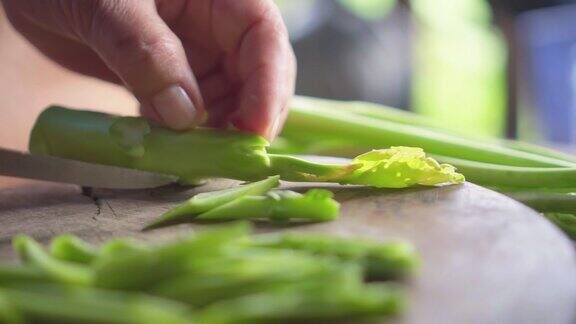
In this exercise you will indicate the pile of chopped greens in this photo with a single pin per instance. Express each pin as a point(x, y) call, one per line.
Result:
point(221, 275)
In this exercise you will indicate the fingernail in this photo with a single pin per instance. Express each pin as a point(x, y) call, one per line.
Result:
point(275, 129)
point(175, 107)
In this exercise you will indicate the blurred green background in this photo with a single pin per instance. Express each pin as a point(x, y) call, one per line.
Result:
point(476, 66)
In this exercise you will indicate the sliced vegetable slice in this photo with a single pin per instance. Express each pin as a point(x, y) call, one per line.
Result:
point(206, 201)
point(316, 205)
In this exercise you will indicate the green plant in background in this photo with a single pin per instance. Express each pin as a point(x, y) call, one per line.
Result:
point(460, 66)
point(459, 61)
point(222, 275)
point(369, 9)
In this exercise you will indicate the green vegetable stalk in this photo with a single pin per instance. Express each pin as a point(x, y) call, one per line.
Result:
point(205, 153)
point(566, 222)
point(549, 201)
point(72, 249)
point(311, 121)
point(385, 113)
point(132, 142)
point(539, 177)
point(502, 176)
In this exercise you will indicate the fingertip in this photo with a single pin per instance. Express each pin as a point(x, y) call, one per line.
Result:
point(243, 124)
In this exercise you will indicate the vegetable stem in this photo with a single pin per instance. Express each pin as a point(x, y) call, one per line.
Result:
point(376, 133)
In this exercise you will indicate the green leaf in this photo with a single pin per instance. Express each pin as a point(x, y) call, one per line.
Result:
point(399, 167)
point(396, 167)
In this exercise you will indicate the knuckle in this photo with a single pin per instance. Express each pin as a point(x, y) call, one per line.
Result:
point(133, 55)
point(149, 49)
point(78, 15)
point(104, 16)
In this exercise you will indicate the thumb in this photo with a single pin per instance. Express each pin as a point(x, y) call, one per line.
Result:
point(140, 48)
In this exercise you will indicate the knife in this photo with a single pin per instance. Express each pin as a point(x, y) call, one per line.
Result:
point(54, 169)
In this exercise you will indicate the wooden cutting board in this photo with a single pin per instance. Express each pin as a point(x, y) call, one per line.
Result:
point(486, 258)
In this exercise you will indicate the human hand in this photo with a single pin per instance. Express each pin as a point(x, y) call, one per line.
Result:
point(184, 60)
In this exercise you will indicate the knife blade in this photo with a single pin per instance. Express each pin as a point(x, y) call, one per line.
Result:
point(48, 168)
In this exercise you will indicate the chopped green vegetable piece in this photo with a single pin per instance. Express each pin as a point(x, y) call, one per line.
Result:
point(120, 246)
point(380, 260)
point(65, 304)
point(221, 275)
point(71, 248)
point(309, 302)
point(206, 201)
point(8, 312)
point(316, 205)
point(33, 253)
point(245, 273)
point(12, 273)
point(191, 155)
point(142, 268)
